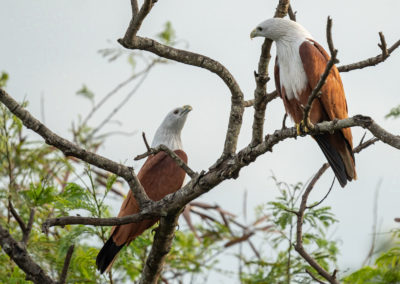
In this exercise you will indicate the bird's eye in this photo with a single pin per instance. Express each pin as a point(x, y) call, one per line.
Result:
point(259, 29)
point(176, 111)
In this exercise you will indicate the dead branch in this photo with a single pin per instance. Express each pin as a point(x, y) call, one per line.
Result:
point(370, 61)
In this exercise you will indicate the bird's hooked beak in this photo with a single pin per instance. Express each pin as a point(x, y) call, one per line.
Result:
point(186, 109)
point(253, 34)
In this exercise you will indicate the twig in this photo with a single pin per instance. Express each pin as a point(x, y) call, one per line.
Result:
point(316, 91)
point(383, 46)
point(137, 19)
point(27, 231)
point(67, 261)
point(374, 223)
point(329, 38)
point(365, 144)
point(145, 142)
point(169, 152)
point(121, 104)
point(116, 89)
point(284, 121)
point(292, 15)
point(313, 277)
point(299, 232)
point(18, 218)
point(370, 61)
point(135, 8)
point(326, 195)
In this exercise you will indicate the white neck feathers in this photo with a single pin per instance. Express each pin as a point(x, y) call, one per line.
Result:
point(168, 137)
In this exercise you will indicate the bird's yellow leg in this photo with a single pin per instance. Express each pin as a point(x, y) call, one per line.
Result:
point(302, 127)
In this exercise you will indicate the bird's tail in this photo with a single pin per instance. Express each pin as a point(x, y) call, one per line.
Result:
point(107, 255)
point(338, 155)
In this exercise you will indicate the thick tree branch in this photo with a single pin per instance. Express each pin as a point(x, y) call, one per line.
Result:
point(160, 248)
point(370, 61)
point(137, 18)
point(21, 257)
point(71, 149)
point(260, 103)
point(198, 60)
point(228, 169)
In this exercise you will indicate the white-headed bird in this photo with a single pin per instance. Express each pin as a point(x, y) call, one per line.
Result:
point(300, 62)
point(160, 175)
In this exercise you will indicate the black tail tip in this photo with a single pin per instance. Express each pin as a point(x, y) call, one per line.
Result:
point(107, 254)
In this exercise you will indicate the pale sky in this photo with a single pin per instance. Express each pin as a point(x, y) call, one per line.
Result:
point(50, 48)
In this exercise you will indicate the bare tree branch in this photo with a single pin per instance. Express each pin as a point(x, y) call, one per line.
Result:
point(67, 261)
point(70, 149)
point(21, 257)
point(137, 18)
point(370, 61)
point(299, 232)
point(27, 231)
point(329, 39)
point(229, 169)
point(18, 218)
point(190, 58)
point(292, 14)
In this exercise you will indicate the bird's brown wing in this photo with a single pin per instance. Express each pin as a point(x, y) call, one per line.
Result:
point(159, 176)
point(332, 100)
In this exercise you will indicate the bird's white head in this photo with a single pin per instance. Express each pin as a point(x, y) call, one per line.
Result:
point(278, 29)
point(169, 132)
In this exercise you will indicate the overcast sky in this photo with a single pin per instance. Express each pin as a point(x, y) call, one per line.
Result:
point(50, 48)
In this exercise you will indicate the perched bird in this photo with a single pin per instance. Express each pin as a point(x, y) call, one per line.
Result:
point(160, 175)
point(300, 62)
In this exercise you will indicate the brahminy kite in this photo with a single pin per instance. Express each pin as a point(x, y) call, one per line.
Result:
point(160, 175)
point(300, 62)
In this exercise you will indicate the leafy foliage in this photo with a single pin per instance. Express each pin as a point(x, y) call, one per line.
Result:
point(287, 266)
point(394, 112)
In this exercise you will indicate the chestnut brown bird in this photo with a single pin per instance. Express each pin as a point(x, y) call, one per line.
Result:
point(299, 64)
point(160, 175)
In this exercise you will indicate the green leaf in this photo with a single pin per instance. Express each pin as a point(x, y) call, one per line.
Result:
point(167, 36)
point(86, 93)
point(3, 79)
point(394, 112)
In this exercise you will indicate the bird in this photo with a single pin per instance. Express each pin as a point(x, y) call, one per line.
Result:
point(160, 175)
point(300, 62)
